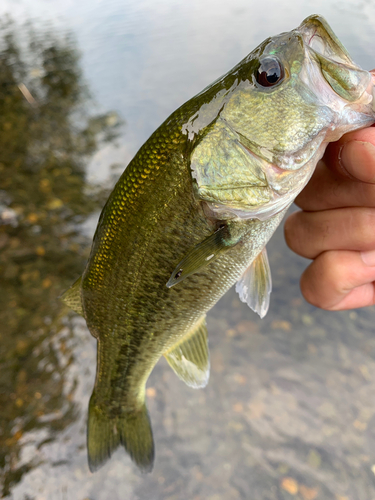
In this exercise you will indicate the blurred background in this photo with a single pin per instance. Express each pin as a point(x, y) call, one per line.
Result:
point(289, 412)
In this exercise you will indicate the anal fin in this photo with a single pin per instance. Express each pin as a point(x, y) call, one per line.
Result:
point(189, 358)
point(72, 297)
point(255, 285)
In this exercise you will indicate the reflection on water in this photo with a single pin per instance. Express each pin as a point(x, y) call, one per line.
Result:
point(46, 139)
point(289, 411)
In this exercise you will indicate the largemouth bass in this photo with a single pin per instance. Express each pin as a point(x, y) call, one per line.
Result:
point(192, 214)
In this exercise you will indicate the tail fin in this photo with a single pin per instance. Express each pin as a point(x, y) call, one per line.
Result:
point(105, 434)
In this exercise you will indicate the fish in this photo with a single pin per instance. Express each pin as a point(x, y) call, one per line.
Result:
point(191, 216)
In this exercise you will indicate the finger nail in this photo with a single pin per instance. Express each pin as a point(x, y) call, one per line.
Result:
point(357, 158)
point(368, 258)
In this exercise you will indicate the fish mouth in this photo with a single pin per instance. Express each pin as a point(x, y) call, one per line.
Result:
point(318, 36)
point(323, 47)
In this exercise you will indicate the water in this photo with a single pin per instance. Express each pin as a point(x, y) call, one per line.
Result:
point(289, 410)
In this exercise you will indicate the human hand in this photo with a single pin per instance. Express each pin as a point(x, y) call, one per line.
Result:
point(336, 227)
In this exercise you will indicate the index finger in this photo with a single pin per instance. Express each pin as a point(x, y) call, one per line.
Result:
point(346, 175)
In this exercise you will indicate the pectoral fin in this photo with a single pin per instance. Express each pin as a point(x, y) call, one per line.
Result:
point(207, 251)
point(201, 255)
point(72, 297)
point(255, 285)
point(189, 358)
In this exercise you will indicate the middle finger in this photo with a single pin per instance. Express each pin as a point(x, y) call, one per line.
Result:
point(310, 233)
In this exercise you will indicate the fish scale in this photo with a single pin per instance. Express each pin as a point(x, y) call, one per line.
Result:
point(192, 214)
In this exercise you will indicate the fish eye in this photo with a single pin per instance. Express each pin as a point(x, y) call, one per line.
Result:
point(270, 72)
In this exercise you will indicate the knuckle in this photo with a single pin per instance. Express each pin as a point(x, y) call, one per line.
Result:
point(322, 283)
point(301, 234)
point(291, 231)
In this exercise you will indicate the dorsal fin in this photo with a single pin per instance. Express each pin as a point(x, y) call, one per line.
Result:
point(189, 358)
point(72, 297)
point(255, 285)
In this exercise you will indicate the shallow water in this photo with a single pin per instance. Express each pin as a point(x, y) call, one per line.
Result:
point(289, 409)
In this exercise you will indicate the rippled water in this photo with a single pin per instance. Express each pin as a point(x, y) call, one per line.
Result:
point(289, 410)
